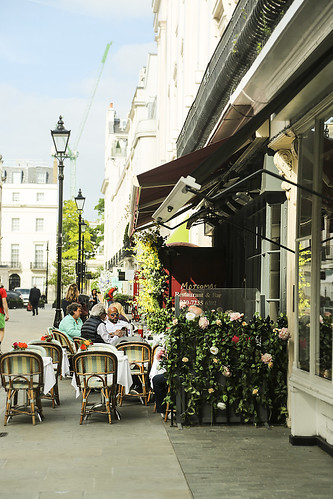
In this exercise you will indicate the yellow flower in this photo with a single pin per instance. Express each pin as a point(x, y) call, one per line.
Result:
point(244, 323)
point(210, 390)
point(270, 364)
point(215, 360)
point(185, 359)
point(255, 391)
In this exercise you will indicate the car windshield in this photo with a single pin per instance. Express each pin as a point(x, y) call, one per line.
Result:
point(22, 291)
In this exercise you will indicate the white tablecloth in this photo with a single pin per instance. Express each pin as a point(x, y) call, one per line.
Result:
point(49, 376)
point(124, 376)
point(65, 369)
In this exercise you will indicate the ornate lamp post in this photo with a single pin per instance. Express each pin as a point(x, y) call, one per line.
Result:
point(60, 137)
point(83, 264)
point(79, 200)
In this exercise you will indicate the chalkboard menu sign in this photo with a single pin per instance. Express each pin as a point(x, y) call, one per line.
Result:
point(241, 300)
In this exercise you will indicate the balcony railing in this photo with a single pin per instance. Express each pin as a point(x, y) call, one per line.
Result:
point(14, 265)
point(37, 266)
point(119, 257)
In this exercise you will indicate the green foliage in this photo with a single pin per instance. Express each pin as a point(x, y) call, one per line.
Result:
point(68, 275)
point(70, 230)
point(152, 277)
point(122, 298)
point(218, 358)
point(159, 321)
point(325, 343)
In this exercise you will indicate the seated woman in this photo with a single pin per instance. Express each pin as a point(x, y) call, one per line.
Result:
point(158, 381)
point(72, 323)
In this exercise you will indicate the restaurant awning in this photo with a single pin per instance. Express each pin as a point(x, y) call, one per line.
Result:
point(153, 186)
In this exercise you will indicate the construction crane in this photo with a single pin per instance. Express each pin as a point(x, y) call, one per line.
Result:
point(72, 152)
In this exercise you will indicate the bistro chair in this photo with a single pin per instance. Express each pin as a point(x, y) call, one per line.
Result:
point(54, 350)
point(65, 343)
point(22, 371)
point(96, 370)
point(139, 357)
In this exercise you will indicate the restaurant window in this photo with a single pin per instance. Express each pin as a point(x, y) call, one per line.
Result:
point(315, 248)
point(40, 196)
point(15, 196)
point(15, 224)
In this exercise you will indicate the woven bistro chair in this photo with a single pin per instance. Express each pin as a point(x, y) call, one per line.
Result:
point(97, 371)
point(54, 350)
point(65, 343)
point(22, 371)
point(139, 357)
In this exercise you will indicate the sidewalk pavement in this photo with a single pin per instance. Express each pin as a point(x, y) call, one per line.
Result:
point(141, 457)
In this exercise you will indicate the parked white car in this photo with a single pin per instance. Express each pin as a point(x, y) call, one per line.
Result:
point(24, 294)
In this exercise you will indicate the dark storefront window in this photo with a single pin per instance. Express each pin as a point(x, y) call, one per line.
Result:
point(315, 249)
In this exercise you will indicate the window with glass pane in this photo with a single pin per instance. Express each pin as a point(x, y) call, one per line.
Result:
point(40, 196)
point(15, 224)
point(304, 303)
point(326, 261)
point(15, 255)
point(17, 177)
point(41, 177)
point(15, 196)
point(39, 224)
point(39, 253)
point(39, 282)
point(306, 179)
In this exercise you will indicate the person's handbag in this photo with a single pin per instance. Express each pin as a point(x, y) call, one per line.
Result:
point(29, 307)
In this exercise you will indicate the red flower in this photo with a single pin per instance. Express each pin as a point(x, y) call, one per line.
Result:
point(235, 339)
point(43, 338)
point(83, 347)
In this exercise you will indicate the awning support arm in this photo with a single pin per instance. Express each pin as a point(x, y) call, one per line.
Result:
point(275, 175)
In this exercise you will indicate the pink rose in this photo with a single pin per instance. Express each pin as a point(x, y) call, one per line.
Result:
point(266, 358)
point(203, 322)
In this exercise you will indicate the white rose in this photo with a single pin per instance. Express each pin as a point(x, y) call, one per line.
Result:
point(190, 316)
point(222, 406)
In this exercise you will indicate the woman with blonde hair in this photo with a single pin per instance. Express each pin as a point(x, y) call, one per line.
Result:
point(72, 296)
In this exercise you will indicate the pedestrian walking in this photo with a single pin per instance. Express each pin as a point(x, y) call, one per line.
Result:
point(34, 297)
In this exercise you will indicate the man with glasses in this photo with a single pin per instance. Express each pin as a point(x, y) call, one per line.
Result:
point(94, 328)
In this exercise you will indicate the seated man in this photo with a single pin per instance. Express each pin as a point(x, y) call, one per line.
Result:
point(94, 328)
point(113, 327)
point(71, 324)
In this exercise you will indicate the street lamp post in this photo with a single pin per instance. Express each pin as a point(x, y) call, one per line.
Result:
point(83, 265)
point(47, 271)
point(60, 137)
point(79, 200)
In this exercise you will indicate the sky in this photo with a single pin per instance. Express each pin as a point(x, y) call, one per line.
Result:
point(50, 58)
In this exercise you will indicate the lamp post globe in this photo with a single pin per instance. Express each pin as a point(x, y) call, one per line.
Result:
point(60, 137)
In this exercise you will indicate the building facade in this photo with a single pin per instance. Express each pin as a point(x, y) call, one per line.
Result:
point(28, 221)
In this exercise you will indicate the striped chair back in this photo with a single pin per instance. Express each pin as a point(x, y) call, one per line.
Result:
point(53, 350)
point(38, 349)
point(21, 369)
point(95, 369)
point(137, 353)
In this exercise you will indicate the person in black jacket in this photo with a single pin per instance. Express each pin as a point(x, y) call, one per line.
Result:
point(34, 297)
point(89, 328)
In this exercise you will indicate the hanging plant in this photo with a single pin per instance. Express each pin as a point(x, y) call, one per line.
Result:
point(152, 276)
